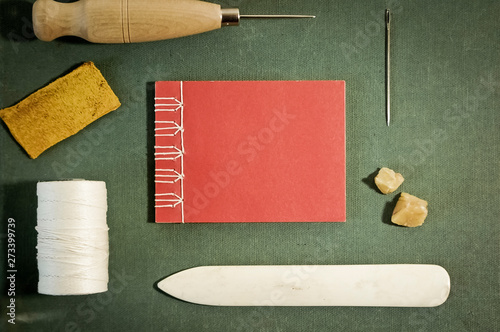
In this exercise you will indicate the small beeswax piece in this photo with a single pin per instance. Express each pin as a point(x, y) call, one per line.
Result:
point(387, 180)
point(61, 109)
point(410, 211)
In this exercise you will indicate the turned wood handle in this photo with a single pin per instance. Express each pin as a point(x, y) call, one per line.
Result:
point(124, 21)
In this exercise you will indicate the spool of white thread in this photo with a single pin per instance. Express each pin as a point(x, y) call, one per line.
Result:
point(73, 247)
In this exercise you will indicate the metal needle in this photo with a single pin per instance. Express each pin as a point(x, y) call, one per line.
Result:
point(388, 65)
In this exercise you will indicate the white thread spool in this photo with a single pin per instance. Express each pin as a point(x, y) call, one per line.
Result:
point(73, 246)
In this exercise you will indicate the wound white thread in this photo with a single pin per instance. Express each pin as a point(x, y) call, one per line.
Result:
point(164, 129)
point(72, 247)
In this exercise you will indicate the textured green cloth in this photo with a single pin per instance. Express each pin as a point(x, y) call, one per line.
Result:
point(444, 138)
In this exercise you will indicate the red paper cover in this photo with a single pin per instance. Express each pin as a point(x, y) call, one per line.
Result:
point(250, 151)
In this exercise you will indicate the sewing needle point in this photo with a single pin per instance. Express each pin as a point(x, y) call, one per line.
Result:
point(388, 66)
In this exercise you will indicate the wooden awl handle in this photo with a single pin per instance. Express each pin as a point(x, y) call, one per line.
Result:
point(126, 21)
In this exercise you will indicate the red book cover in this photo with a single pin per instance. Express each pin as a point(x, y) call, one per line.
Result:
point(250, 151)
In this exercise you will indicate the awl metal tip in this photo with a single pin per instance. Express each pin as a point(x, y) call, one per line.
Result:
point(278, 16)
point(232, 16)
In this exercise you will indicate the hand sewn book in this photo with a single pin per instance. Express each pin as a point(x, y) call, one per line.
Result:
point(249, 151)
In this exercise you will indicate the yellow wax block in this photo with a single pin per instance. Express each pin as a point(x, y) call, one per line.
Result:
point(61, 109)
point(388, 181)
point(410, 211)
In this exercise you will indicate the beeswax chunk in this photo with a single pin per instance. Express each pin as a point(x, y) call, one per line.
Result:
point(410, 211)
point(387, 180)
point(61, 109)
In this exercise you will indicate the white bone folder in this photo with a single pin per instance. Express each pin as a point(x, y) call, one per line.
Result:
point(389, 285)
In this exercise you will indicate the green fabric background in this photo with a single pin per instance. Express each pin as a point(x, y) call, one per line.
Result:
point(444, 138)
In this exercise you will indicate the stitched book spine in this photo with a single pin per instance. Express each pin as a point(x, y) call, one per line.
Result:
point(169, 155)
